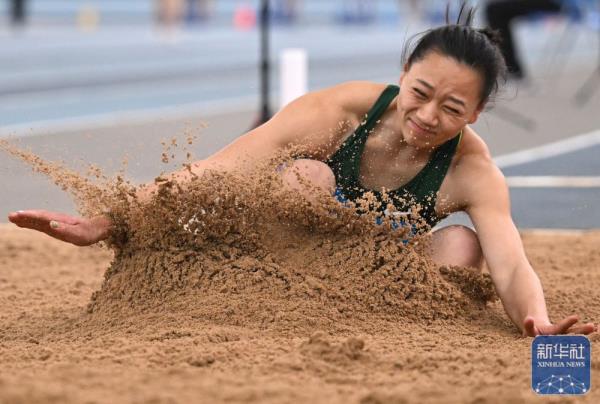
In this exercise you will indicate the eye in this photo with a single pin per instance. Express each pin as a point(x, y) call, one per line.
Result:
point(420, 94)
point(452, 110)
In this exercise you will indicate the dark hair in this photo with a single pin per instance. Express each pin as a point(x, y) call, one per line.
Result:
point(475, 47)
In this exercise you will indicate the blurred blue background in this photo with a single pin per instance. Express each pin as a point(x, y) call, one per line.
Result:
point(96, 80)
point(82, 58)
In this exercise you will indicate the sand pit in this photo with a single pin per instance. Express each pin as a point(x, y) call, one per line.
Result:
point(236, 290)
point(52, 351)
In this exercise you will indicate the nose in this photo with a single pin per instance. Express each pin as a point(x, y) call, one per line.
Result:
point(428, 114)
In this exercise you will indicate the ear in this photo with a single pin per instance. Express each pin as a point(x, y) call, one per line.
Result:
point(476, 113)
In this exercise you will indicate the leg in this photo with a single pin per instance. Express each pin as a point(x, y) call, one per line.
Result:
point(315, 174)
point(18, 12)
point(500, 15)
point(456, 245)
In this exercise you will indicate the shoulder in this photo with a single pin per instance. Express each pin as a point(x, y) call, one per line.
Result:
point(318, 121)
point(472, 154)
point(471, 146)
point(476, 178)
point(343, 105)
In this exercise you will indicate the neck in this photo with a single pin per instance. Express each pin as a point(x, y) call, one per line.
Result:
point(393, 142)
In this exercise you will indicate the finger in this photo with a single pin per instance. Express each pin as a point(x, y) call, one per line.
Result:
point(23, 217)
point(583, 329)
point(33, 213)
point(29, 221)
point(12, 216)
point(47, 215)
point(42, 221)
point(529, 327)
point(563, 326)
point(37, 219)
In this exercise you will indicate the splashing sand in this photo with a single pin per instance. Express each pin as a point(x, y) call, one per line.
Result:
point(233, 290)
point(241, 249)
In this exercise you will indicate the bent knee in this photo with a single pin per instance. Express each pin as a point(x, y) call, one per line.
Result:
point(465, 239)
point(457, 245)
point(310, 172)
point(464, 236)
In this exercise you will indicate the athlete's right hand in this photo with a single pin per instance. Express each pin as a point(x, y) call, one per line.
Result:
point(74, 230)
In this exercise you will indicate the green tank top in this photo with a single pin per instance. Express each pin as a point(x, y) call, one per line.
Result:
point(420, 191)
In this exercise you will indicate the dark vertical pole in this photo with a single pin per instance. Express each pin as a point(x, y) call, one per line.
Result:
point(18, 12)
point(591, 85)
point(265, 66)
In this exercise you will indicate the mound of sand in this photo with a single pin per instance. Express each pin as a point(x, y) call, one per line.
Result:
point(234, 290)
point(276, 258)
point(51, 350)
point(256, 255)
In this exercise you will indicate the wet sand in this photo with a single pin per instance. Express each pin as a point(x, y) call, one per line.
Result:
point(50, 351)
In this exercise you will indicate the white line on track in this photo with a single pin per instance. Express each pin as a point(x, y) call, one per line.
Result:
point(553, 182)
point(552, 232)
point(549, 150)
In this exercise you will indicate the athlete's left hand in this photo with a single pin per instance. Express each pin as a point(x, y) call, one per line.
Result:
point(533, 327)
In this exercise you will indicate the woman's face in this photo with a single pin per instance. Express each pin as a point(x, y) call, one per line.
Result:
point(438, 97)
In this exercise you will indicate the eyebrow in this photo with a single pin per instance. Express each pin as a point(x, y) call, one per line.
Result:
point(451, 98)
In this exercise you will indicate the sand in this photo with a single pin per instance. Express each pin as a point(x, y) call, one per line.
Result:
point(234, 289)
point(49, 353)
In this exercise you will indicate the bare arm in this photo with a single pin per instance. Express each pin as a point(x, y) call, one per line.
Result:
point(310, 122)
point(307, 123)
point(517, 284)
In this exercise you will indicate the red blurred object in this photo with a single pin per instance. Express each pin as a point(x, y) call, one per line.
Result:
point(244, 18)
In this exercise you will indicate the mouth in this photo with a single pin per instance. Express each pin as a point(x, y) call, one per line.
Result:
point(419, 129)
